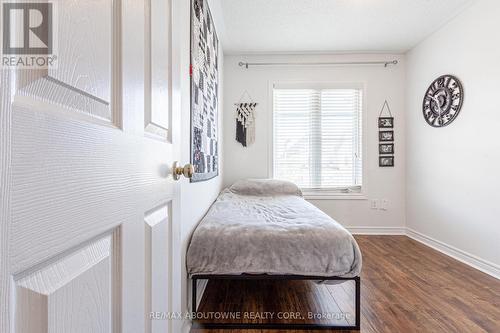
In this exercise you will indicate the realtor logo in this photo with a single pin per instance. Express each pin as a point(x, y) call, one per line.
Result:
point(27, 28)
point(28, 34)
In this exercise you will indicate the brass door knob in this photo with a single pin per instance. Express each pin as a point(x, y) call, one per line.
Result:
point(187, 171)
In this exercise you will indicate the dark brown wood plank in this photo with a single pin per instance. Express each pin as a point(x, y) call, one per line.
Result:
point(405, 287)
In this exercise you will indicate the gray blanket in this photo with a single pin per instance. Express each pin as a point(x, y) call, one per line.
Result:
point(273, 232)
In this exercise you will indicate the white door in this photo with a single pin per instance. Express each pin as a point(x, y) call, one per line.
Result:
point(89, 232)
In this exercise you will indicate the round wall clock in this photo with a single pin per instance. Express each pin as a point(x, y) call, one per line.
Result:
point(443, 101)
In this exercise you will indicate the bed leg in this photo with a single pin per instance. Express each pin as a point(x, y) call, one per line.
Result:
point(193, 296)
point(358, 303)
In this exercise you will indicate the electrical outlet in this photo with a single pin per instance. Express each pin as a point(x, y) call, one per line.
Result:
point(384, 204)
point(374, 203)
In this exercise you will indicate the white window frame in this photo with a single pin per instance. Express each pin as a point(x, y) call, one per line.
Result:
point(323, 194)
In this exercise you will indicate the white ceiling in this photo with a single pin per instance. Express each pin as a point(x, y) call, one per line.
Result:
point(268, 26)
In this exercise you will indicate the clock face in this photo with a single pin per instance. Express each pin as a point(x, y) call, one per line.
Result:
point(443, 101)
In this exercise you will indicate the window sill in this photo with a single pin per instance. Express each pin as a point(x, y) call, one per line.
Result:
point(334, 196)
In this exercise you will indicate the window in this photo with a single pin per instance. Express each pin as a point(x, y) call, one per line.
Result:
point(317, 136)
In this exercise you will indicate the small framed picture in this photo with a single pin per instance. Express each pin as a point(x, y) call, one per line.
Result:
point(386, 122)
point(386, 148)
point(386, 161)
point(386, 135)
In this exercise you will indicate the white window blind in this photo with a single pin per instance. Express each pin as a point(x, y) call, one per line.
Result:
point(317, 138)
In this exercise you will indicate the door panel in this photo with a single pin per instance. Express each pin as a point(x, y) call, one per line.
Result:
point(158, 73)
point(84, 46)
point(71, 293)
point(82, 81)
point(66, 97)
point(158, 265)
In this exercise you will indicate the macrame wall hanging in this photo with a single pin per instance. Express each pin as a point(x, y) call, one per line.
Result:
point(245, 120)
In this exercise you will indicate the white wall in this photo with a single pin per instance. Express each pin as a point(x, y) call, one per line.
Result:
point(196, 198)
point(381, 83)
point(452, 172)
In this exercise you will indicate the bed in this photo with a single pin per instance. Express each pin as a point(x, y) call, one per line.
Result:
point(264, 229)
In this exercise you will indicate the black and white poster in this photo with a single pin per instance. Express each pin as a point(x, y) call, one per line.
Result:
point(204, 93)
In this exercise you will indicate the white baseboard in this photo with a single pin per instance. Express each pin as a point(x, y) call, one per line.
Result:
point(462, 256)
point(377, 230)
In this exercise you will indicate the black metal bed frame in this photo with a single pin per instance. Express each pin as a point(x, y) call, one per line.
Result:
point(199, 325)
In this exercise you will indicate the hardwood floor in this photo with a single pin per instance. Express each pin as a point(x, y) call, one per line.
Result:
point(405, 287)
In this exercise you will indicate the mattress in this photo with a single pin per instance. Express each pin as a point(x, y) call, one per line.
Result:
point(266, 227)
